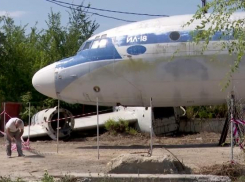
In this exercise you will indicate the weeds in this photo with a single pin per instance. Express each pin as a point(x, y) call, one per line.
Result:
point(121, 126)
point(8, 179)
point(47, 177)
point(241, 179)
point(68, 178)
point(233, 171)
point(132, 131)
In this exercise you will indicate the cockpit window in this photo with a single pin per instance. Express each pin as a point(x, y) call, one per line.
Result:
point(104, 36)
point(99, 44)
point(103, 43)
point(95, 44)
point(81, 47)
point(87, 45)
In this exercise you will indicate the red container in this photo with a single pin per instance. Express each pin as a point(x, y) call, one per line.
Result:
point(12, 109)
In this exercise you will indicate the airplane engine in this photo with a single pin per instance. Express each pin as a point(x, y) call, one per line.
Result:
point(164, 120)
point(45, 123)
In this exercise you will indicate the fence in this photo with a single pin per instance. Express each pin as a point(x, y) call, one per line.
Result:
point(27, 110)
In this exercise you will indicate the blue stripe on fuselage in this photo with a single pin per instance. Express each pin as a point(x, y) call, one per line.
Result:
point(152, 38)
point(110, 52)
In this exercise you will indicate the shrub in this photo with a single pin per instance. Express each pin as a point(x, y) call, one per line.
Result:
point(218, 111)
point(121, 126)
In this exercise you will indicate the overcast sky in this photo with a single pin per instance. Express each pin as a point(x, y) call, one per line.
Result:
point(31, 11)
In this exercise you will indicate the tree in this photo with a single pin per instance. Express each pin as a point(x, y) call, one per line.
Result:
point(14, 64)
point(22, 54)
point(81, 27)
point(219, 21)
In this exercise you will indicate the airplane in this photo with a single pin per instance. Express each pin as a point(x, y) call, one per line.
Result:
point(130, 64)
point(152, 59)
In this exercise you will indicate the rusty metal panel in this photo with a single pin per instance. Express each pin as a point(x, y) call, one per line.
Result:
point(12, 109)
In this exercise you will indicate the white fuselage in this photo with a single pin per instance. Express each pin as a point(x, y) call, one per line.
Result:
point(154, 59)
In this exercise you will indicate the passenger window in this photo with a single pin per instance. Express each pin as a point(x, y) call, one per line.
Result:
point(95, 44)
point(87, 45)
point(174, 36)
point(103, 43)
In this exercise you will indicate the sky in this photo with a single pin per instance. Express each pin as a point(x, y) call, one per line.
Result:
point(32, 11)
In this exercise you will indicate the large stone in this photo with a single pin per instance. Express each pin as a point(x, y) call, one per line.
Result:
point(146, 165)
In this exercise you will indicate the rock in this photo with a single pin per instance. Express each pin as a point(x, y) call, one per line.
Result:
point(146, 165)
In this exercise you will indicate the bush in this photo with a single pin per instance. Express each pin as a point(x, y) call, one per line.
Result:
point(218, 111)
point(121, 126)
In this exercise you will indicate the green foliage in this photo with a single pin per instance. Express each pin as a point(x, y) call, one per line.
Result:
point(121, 126)
point(68, 178)
point(241, 179)
point(110, 125)
point(132, 131)
point(34, 107)
point(116, 127)
point(219, 20)
point(218, 111)
point(47, 178)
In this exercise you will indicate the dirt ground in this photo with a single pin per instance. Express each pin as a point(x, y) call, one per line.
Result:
point(80, 155)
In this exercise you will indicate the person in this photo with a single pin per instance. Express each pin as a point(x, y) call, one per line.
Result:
point(14, 130)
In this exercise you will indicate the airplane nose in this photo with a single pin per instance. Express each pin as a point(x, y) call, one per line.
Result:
point(44, 81)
